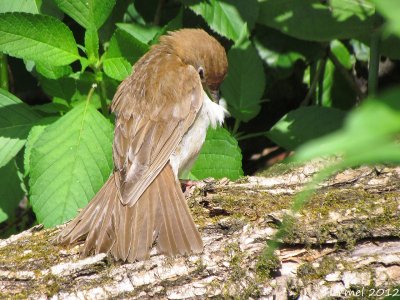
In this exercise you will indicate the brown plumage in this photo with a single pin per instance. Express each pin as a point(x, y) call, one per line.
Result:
point(160, 110)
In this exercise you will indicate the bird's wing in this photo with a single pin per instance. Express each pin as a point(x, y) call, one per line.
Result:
point(148, 131)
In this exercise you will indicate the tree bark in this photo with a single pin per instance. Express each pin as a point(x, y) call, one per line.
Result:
point(344, 242)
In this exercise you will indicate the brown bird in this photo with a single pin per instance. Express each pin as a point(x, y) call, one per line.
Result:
point(162, 112)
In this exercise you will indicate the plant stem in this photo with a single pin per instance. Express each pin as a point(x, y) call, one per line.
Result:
point(236, 126)
point(157, 15)
point(4, 72)
point(250, 136)
point(373, 71)
point(311, 91)
point(103, 98)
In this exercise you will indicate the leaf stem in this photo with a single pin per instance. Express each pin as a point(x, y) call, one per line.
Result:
point(91, 91)
point(4, 72)
point(346, 75)
point(373, 70)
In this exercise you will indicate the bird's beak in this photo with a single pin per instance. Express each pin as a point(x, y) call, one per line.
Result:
point(215, 96)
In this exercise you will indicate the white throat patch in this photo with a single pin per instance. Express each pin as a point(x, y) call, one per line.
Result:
point(210, 114)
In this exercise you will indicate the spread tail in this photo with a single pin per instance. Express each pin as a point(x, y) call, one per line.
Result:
point(128, 232)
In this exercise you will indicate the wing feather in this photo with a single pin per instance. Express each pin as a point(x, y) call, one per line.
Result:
point(149, 128)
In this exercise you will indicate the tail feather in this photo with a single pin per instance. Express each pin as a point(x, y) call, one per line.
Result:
point(128, 232)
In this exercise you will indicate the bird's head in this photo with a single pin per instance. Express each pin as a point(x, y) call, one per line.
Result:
point(197, 48)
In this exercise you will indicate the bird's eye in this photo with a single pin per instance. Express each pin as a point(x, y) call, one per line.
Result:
point(201, 72)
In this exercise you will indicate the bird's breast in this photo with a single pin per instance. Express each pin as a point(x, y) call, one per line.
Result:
point(210, 114)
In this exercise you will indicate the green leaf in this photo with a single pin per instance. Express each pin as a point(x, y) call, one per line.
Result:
point(226, 17)
point(342, 54)
point(69, 163)
point(11, 192)
point(304, 124)
point(37, 37)
point(335, 91)
point(220, 157)
point(143, 33)
point(16, 119)
point(3, 216)
point(28, 6)
point(87, 12)
point(362, 140)
point(117, 68)
point(316, 20)
point(245, 83)
point(33, 136)
point(52, 72)
point(361, 51)
point(92, 45)
point(63, 88)
point(280, 51)
point(123, 51)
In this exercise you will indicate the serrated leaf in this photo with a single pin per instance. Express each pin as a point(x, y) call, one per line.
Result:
point(37, 37)
point(33, 136)
point(219, 157)
point(123, 51)
point(52, 72)
point(315, 20)
point(16, 119)
point(117, 68)
point(245, 82)
point(69, 163)
point(28, 6)
point(87, 12)
point(92, 44)
point(10, 190)
point(227, 17)
point(304, 124)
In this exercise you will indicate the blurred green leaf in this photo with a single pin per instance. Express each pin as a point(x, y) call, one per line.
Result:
point(37, 37)
point(16, 119)
point(361, 50)
point(59, 187)
point(317, 20)
point(11, 192)
point(28, 6)
point(87, 13)
point(390, 10)
point(220, 157)
point(280, 51)
point(226, 17)
point(245, 82)
point(304, 124)
point(123, 51)
point(342, 54)
point(367, 137)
